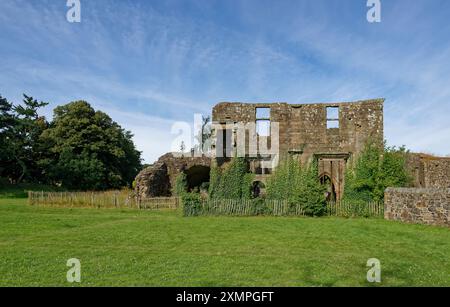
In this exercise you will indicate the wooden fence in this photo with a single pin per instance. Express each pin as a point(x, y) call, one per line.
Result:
point(282, 208)
point(235, 207)
point(107, 199)
point(247, 207)
point(355, 209)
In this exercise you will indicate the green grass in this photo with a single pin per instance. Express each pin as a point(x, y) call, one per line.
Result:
point(21, 190)
point(131, 248)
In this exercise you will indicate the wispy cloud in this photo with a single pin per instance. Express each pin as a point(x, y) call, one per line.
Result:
point(150, 64)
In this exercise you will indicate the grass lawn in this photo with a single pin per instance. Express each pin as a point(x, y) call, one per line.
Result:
point(131, 248)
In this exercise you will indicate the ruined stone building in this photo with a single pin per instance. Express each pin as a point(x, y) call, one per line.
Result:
point(332, 133)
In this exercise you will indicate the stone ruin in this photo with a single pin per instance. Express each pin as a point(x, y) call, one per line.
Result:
point(332, 133)
point(158, 179)
point(428, 201)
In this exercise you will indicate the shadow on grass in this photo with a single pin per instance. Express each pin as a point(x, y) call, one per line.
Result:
point(21, 190)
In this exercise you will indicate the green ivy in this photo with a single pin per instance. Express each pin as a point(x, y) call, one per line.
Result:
point(192, 204)
point(232, 182)
point(376, 169)
point(180, 184)
point(299, 185)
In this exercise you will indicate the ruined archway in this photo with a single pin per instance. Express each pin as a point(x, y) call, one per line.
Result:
point(258, 189)
point(330, 191)
point(197, 177)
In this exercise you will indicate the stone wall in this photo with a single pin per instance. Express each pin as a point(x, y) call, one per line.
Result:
point(437, 172)
point(418, 205)
point(159, 179)
point(303, 132)
point(303, 127)
point(429, 171)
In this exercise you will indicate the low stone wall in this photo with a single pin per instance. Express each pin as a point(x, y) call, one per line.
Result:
point(418, 205)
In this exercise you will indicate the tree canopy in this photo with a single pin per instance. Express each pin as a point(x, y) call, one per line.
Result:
point(81, 148)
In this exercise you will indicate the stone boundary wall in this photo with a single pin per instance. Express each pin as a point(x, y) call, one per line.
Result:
point(418, 205)
point(437, 173)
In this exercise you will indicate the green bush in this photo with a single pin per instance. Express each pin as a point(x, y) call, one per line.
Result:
point(192, 204)
point(232, 182)
point(259, 207)
point(376, 169)
point(299, 185)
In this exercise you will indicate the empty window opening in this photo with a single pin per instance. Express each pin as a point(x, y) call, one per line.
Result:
point(263, 127)
point(332, 117)
point(263, 121)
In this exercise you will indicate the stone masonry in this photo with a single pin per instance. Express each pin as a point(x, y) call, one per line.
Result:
point(418, 205)
point(304, 133)
point(159, 178)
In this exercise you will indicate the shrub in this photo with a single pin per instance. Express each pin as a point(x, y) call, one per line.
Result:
point(259, 207)
point(376, 169)
point(299, 185)
point(192, 204)
point(232, 182)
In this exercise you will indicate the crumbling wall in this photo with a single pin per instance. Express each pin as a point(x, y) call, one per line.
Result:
point(159, 178)
point(153, 181)
point(303, 127)
point(303, 131)
point(429, 171)
point(418, 205)
point(437, 173)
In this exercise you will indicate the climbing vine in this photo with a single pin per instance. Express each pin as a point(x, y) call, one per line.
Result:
point(299, 185)
point(232, 182)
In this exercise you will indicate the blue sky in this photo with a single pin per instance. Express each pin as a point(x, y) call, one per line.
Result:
point(150, 63)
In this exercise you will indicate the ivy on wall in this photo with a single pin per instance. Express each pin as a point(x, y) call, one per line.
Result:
point(376, 169)
point(232, 182)
point(299, 185)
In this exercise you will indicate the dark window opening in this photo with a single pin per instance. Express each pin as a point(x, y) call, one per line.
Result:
point(224, 144)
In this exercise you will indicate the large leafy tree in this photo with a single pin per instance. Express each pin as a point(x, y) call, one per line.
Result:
point(7, 121)
point(86, 149)
point(20, 129)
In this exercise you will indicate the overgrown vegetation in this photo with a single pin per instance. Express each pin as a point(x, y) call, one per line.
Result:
point(181, 185)
point(299, 185)
point(192, 204)
point(232, 182)
point(195, 206)
point(376, 169)
point(80, 149)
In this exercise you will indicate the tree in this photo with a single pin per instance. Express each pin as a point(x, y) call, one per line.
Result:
point(182, 147)
point(20, 130)
point(376, 169)
point(7, 121)
point(88, 150)
point(204, 136)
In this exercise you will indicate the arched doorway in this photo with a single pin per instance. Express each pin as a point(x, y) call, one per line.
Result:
point(197, 178)
point(330, 191)
point(258, 189)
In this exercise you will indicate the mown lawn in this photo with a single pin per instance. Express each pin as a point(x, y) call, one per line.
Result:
point(143, 248)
